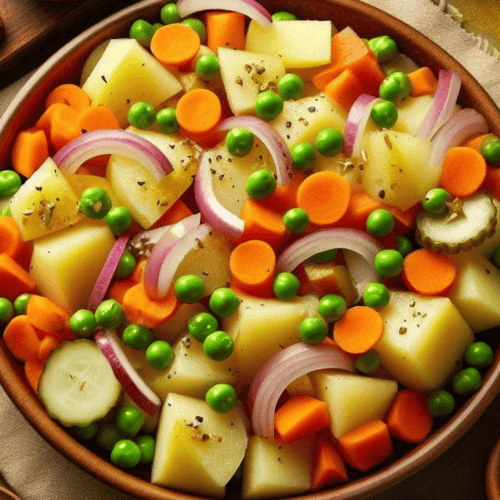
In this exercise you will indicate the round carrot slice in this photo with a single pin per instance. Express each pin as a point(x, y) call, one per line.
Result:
point(175, 45)
point(198, 111)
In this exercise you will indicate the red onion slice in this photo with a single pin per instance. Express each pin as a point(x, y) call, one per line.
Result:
point(149, 237)
point(361, 269)
point(214, 212)
point(282, 369)
point(272, 141)
point(125, 373)
point(162, 249)
point(443, 102)
point(108, 270)
point(358, 117)
point(454, 132)
point(112, 141)
point(249, 8)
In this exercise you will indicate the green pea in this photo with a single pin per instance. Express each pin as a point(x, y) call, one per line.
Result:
point(332, 307)
point(110, 314)
point(380, 222)
point(404, 245)
point(260, 184)
point(83, 323)
point(147, 446)
point(268, 105)
point(490, 149)
point(157, 26)
point(283, 16)
point(85, 431)
point(141, 115)
point(137, 336)
point(10, 182)
point(324, 257)
point(376, 295)
point(21, 303)
point(368, 362)
point(7, 310)
point(441, 403)
point(479, 354)
point(396, 85)
point(290, 86)
point(383, 47)
point(129, 420)
point(218, 346)
point(95, 203)
point(189, 288)
point(223, 302)
point(201, 325)
point(466, 380)
point(108, 435)
point(119, 220)
point(160, 354)
point(7, 212)
point(197, 26)
point(239, 141)
point(286, 286)
point(142, 31)
point(296, 219)
point(126, 454)
point(313, 330)
point(329, 141)
point(167, 121)
point(303, 155)
point(435, 200)
point(207, 67)
point(384, 114)
point(221, 398)
point(169, 14)
point(388, 263)
point(126, 266)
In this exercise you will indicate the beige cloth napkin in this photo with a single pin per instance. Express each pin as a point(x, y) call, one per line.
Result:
point(36, 471)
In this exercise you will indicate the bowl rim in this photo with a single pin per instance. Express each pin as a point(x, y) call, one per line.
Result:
point(26, 401)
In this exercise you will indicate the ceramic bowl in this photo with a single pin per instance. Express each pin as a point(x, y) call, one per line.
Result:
point(65, 67)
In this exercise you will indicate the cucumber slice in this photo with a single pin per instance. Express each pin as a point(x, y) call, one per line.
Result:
point(77, 385)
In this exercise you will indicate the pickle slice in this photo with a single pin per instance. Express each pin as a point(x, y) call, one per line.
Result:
point(466, 225)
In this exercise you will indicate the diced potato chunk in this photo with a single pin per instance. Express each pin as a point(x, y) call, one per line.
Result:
point(411, 113)
point(80, 182)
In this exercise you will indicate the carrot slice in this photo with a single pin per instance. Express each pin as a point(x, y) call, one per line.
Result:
point(253, 265)
point(408, 417)
point(285, 197)
point(48, 317)
point(59, 122)
point(198, 111)
point(225, 29)
point(423, 82)
point(324, 196)
point(175, 45)
point(345, 89)
point(21, 338)
point(464, 170)
point(33, 370)
point(328, 466)
point(97, 118)
point(301, 416)
point(138, 274)
point(11, 239)
point(30, 150)
point(140, 309)
point(178, 211)
point(367, 445)
point(361, 205)
point(428, 273)
point(47, 345)
point(14, 279)
point(70, 94)
point(358, 330)
point(119, 289)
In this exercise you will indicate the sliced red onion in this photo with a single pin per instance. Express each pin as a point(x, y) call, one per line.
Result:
point(361, 269)
point(125, 373)
point(112, 141)
point(249, 8)
point(272, 141)
point(149, 237)
point(454, 132)
point(162, 248)
point(281, 370)
point(108, 270)
point(443, 102)
point(358, 117)
point(212, 209)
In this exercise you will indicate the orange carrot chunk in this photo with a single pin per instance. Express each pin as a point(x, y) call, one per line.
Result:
point(408, 417)
point(14, 279)
point(198, 111)
point(301, 416)
point(423, 82)
point(428, 273)
point(48, 317)
point(138, 274)
point(21, 339)
point(361, 205)
point(47, 345)
point(284, 197)
point(119, 289)
point(33, 370)
point(30, 150)
point(178, 211)
point(328, 466)
point(70, 94)
point(464, 170)
point(367, 445)
point(324, 196)
point(11, 239)
point(97, 118)
point(59, 122)
point(345, 89)
point(225, 29)
point(358, 330)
